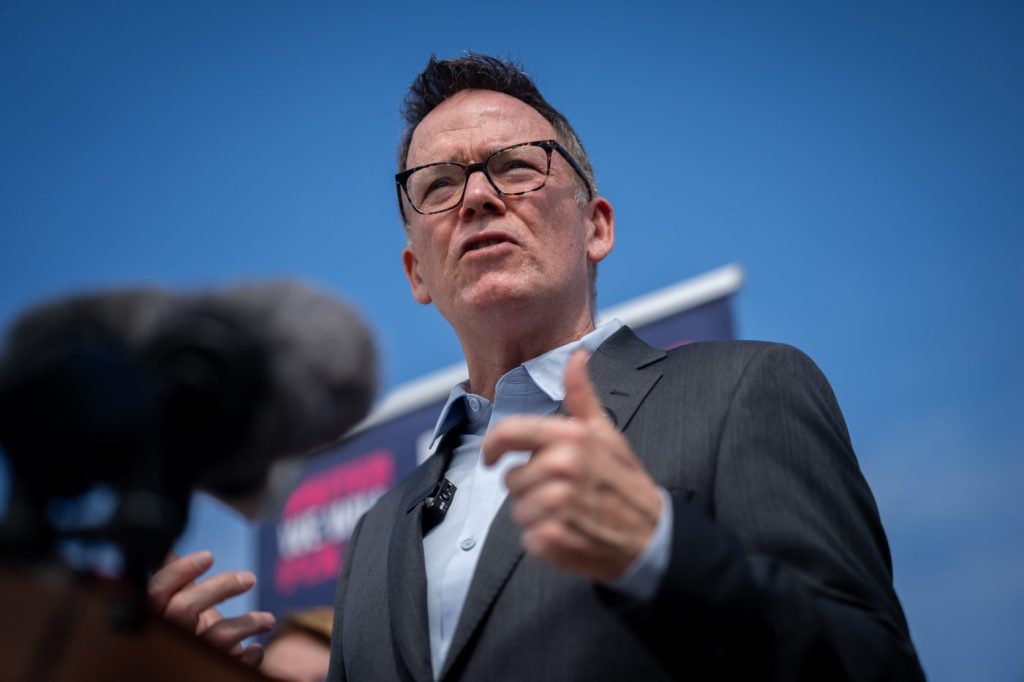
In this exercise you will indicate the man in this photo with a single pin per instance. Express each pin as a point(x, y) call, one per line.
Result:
point(653, 515)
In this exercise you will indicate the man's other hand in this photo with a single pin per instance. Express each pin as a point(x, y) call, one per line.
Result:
point(584, 501)
point(176, 595)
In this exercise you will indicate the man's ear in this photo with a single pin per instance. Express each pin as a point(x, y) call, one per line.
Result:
point(601, 222)
point(412, 273)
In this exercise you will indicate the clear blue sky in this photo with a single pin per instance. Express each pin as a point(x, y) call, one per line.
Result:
point(864, 162)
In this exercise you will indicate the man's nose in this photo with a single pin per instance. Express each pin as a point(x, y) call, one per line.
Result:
point(481, 198)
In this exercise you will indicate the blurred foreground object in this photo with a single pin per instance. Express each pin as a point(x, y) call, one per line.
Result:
point(54, 630)
point(148, 395)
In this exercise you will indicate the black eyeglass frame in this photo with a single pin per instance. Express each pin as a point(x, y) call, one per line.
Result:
point(547, 145)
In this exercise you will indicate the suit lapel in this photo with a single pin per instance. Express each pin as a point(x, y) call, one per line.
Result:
point(407, 581)
point(622, 376)
point(623, 372)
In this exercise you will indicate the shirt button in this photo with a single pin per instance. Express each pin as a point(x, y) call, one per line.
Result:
point(474, 404)
point(467, 544)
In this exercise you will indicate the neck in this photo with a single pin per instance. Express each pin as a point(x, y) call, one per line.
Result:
point(494, 349)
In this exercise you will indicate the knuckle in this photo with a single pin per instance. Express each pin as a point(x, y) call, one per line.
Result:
point(577, 432)
point(158, 597)
point(206, 620)
point(514, 479)
point(559, 497)
point(549, 536)
point(565, 463)
point(177, 609)
point(186, 618)
point(222, 635)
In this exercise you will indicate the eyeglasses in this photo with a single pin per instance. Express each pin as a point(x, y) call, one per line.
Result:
point(515, 170)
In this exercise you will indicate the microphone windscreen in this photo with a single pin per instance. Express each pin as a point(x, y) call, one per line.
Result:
point(234, 385)
point(128, 315)
point(75, 398)
point(320, 373)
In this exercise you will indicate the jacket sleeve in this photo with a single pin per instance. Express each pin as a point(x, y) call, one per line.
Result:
point(786, 573)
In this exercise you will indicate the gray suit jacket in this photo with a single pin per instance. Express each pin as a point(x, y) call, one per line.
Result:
point(779, 566)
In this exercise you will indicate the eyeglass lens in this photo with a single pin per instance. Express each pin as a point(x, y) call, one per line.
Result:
point(515, 170)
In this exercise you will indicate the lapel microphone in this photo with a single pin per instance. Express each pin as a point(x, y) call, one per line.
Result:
point(436, 504)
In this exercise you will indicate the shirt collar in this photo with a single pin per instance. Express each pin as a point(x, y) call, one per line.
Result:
point(546, 371)
point(453, 413)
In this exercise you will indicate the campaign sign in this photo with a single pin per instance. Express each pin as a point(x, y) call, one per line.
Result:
point(301, 549)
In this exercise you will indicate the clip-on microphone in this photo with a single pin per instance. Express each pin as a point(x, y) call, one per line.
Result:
point(436, 504)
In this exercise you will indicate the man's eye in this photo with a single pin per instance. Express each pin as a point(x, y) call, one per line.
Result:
point(438, 184)
point(514, 164)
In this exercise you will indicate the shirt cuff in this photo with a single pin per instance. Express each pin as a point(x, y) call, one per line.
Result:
point(641, 579)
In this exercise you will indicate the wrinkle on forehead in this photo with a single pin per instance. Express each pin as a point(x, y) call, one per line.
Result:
point(473, 123)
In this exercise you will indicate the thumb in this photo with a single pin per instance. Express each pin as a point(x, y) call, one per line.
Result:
point(581, 399)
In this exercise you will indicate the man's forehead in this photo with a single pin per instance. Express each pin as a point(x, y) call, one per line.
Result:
point(472, 122)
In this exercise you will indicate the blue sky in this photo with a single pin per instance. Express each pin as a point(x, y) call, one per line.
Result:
point(862, 161)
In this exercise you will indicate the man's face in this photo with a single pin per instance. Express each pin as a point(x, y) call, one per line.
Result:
point(495, 250)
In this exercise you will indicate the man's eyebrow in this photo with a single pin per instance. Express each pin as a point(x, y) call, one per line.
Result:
point(453, 155)
point(447, 153)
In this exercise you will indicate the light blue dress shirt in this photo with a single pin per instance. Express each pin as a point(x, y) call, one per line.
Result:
point(452, 549)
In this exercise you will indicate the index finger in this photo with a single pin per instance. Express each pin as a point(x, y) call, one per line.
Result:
point(175, 575)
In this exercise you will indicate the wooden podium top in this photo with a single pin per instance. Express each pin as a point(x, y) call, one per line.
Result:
point(53, 629)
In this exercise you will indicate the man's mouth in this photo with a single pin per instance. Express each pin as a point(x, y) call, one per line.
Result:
point(484, 244)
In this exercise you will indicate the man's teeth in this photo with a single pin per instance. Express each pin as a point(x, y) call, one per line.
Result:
point(484, 243)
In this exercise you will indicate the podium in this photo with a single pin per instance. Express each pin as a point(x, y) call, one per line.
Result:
point(54, 628)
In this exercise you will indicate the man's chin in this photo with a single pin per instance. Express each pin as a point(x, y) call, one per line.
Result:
point(489, 297)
